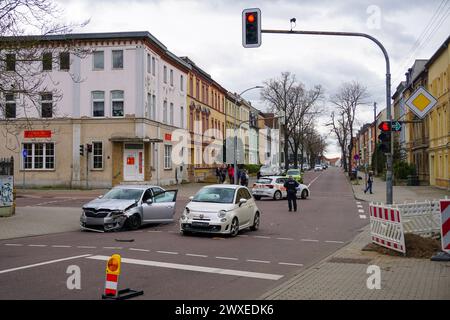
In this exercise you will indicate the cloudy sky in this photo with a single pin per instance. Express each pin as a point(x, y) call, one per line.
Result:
point(210, 33)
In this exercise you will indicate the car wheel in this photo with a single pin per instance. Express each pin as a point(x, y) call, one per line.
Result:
point(134, 222)
point(257, 197)
point(304, 194)
point(277, 195)
point(234, 229)
point(256, 221)
point(185, 233)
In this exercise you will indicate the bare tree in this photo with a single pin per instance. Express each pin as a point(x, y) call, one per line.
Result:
point(288, 97)
point(26, 56)
point(340, 129)
point(349, 96)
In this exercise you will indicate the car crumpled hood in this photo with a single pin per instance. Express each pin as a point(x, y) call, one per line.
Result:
point(208, 207)
point(109, 204)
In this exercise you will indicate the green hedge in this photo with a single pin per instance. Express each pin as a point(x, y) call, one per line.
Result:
point(403, 169)
point(252, 168)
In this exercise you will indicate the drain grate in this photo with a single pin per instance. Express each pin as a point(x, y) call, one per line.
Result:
point(350, 260)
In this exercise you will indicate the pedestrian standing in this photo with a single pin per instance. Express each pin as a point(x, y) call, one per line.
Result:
point(231, 174)
point(291, 187)
point(244, 178)
point(218, 175)
point(369, 183)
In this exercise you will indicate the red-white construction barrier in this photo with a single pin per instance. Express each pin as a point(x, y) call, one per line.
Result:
point(386, 227)
point(445, 225)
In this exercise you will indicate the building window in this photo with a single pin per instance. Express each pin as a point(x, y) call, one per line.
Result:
point(39, 156)
point(197, 90)
point(181, 83)
point(98, 103)
point(47, 61)
point(99, 60)
point(149, 64)
point(117, 103)
point(97, 155)
point(191, 86)
point(117, 59)
point(167, 157)
point(64, 61)
point(171, 114)
point(153, 66)
point(165, 112)
point(171, 77)
point(182, 117)
point(154, 107)
point(46, 105)
point(165, 74)
point(10, 105)
point(10, 62)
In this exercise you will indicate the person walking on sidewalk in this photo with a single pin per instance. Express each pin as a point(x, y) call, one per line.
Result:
point(231, 174)
point(291, 187)
point(369, 183)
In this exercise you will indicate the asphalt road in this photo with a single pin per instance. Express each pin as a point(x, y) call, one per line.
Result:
point(167, 265)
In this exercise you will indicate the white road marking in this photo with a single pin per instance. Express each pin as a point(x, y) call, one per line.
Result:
point(314, 180)
point(114, 248)
point(60, 246)
point(196, 255)
point(143, 250)
point(167, 252)
point(359, 206)
point(227, 258)
point(258, 261)
point(187, 267)
point(37, 245)
point(362, 216)
point(44, 263)
point(333, 241)
point(284, 239)
point(310, 240)
point(13, 244)
point(86, 247)
point(290, 264)
point(357, 202)
point(261, 237)
point(360, 211)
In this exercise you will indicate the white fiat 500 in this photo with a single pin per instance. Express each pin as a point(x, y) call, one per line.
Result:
point(223, 209)
point(273, 187)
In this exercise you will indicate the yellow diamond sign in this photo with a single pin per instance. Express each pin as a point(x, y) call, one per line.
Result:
point(421, 102)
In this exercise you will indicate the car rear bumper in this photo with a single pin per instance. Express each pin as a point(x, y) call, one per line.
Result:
point(205, 227)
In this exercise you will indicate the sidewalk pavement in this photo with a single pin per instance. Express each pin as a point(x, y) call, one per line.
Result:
point(343, 275)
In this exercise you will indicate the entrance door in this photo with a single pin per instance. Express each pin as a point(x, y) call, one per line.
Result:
point(133, 162)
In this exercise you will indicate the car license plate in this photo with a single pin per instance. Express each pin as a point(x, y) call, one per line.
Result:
point(200, 224)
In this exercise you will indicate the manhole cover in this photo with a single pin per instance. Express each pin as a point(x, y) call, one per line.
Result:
point(350, 260)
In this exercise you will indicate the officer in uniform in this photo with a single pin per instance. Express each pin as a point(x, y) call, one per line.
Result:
point(291, 187)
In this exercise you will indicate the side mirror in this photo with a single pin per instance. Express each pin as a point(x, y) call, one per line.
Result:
point(149, 201)
point(99, 197)
point(242, 201)
point(191, 198)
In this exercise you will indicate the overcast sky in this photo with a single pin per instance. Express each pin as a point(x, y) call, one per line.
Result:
point(210, 33)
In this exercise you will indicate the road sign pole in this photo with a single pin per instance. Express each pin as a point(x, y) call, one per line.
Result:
point(389, 194)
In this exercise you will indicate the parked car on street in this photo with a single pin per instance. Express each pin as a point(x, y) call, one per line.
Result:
point(223, 209)
point(269, 170)
point(296, 175)
point(318, 167)
point(273, 187)
point(129, 206)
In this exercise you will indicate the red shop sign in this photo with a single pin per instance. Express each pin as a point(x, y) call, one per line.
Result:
point(37, 134)
point(168, 137)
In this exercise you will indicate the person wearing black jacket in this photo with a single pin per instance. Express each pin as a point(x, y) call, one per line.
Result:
point(291, 187)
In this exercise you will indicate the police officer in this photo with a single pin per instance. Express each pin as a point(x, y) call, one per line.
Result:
point(291, 187)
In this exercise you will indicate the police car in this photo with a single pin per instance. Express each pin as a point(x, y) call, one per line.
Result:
point(273, 187)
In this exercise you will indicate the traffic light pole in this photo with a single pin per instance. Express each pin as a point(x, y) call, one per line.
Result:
point(389, 193)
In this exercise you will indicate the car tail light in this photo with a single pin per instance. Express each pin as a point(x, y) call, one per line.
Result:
point(269, 186)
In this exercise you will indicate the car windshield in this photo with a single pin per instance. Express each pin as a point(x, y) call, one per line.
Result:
point(215, 195)
point(293, 172)
point(265, 168)
point(124, 194)
point(264, 181)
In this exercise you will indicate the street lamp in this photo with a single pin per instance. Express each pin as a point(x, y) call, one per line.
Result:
point(235, 129)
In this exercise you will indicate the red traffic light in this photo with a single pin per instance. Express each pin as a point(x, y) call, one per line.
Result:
point(385, 126)
point(250, 17)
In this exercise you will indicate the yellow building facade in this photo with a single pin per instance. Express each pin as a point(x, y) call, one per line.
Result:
point(439, 117)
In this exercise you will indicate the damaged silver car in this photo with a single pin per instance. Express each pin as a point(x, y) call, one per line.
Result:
point(129, 206)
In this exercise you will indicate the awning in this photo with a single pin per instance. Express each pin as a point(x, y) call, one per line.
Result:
point(135, 139)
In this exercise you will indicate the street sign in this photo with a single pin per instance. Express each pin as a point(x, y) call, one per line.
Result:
point(356, 157)
point(421, 102)
point(396, 126)
point(24, 153)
